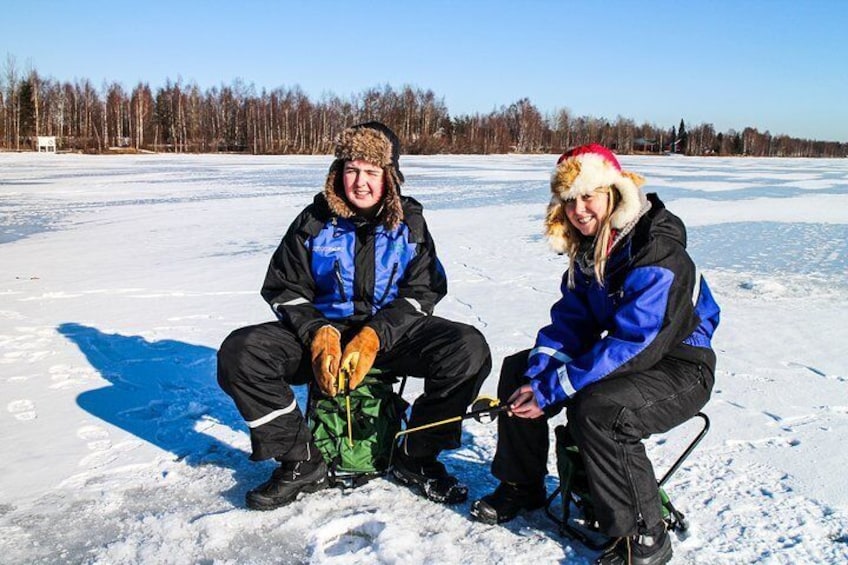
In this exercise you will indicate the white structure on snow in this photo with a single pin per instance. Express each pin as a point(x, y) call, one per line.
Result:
point(46, 143)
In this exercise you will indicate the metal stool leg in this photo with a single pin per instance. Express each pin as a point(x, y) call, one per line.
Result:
point(689, 450)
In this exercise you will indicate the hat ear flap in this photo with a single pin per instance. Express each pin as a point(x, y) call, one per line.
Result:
point(631, 202)
point(393, 214)
point(638, 180)
point(555, 226)
point(334, 188)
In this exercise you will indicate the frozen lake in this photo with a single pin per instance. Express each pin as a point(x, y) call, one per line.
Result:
point(121, 275)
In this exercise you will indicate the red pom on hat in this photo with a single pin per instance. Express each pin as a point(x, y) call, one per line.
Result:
point(595, 148)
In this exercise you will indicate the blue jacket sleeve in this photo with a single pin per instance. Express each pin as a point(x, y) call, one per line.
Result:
point(572, 353)
point(570, 333)
point(289, 287)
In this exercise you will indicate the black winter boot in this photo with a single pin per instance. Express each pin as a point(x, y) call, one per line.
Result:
point(507, 501)
point(642, 549)
point(286, 482)
point(428, 476)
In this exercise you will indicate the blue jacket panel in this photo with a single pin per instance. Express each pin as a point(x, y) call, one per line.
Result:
point(709, 315)
point(333, 251)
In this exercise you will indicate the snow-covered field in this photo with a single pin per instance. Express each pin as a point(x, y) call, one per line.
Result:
point(120, 276)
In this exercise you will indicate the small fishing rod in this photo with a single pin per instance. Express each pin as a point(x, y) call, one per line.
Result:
point(485, 410)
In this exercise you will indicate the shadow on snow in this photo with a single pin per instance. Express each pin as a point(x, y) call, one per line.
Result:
point(164, 392)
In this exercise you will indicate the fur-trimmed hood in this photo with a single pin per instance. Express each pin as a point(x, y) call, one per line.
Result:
point(375, 143)
point(580, 171)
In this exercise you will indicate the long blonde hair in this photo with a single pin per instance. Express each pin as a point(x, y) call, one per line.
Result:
point(602, 240)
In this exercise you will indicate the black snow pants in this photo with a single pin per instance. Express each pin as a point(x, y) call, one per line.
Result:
point(608, 420)
point(257, 365)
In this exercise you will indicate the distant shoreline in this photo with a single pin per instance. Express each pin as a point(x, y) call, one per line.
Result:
point(120, 152)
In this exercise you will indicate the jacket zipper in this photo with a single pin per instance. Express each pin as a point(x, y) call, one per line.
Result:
point(388, 284)
point(338, 270)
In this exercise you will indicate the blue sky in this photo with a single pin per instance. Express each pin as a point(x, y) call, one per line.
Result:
point(777, 65)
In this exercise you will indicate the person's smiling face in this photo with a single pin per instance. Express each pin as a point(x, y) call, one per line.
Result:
point(364, 185)
point(588, 212)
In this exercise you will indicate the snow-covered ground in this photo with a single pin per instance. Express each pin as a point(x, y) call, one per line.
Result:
point(120, 276)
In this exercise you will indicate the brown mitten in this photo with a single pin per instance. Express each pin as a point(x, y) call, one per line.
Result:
point(359, 355)
point(326, 354)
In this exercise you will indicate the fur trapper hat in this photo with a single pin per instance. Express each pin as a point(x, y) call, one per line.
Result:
point(375, 143)
point(579, 172)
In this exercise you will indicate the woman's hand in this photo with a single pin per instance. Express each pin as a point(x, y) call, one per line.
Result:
point(523, 403)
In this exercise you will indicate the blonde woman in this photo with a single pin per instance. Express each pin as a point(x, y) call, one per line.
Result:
point(627, 354)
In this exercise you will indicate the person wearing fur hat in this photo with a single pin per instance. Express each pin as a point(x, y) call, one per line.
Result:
point(627, 354)
point(353, 285)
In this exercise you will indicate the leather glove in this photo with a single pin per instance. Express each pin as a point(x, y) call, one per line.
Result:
point(326, 353)
point(359, 355)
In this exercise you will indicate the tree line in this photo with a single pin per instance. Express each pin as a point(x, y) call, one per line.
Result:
point(180, 117)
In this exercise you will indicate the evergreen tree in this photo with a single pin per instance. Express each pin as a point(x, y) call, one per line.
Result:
point(163, 116)
point(737, 144)
point(27, 110)
point(683, 136)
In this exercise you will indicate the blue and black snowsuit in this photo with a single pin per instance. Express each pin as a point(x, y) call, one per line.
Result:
point(627, 359)
point(348, 272)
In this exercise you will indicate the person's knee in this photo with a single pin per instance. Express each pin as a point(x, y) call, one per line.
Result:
point(231, 357)
point(512, 374)
point(591, 414)
point(471, 351)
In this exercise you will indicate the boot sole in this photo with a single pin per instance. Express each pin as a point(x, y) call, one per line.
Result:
point(421, 488)
point(265, 504)
point(661, 557)
point(487, 518)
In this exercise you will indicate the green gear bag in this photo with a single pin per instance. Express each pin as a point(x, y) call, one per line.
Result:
point(376, 416)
